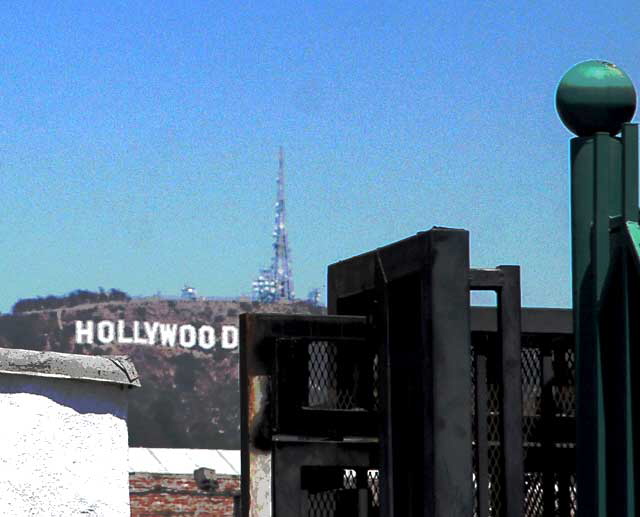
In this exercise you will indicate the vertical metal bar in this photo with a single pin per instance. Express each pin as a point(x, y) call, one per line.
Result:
point(363, 502)
point(633, 308)
point(617, 384)
point(628, 391)
point(547, 419)
point(600, 267)
point(588, 381)
point(509, 316)
point(447, 479)
point(564, 493)
point(482, 438)
point(630, 171)
point(630, 213)
point(380, 333)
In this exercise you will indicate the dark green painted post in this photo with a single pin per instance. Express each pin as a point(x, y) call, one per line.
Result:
point(595, 100)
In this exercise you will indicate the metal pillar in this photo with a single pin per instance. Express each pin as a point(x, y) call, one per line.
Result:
point(600, 195)
point(416, 293)
point(595, 100)
point(505, 281)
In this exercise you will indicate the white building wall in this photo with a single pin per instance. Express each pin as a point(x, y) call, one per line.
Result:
point(63, 448)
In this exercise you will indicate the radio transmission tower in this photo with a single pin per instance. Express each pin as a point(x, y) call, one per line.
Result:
point(276, 284)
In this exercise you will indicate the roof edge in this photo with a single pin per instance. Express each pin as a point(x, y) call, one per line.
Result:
point(115, 369)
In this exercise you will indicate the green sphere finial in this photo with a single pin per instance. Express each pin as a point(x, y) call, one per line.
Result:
point(595, 96)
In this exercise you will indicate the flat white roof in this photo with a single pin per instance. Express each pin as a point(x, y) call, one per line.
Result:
point(183, 461)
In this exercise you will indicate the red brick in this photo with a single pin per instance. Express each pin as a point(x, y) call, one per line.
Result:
point(177, 495)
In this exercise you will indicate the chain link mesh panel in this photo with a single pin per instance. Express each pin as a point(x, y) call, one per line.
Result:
point(573, 495)
point(564, 390)
point(544, 437)
point(561, 411)
point(373, 483)
point(325, 387)
point(531, 395)
point(495, 451)
point(323, 377)
point(531, 406)
point(336, 380)
point(533, 494)
point(355, 493)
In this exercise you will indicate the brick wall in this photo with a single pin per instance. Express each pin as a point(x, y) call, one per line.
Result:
point(177, 495)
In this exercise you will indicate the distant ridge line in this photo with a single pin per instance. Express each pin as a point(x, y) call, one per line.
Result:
point(157, 299)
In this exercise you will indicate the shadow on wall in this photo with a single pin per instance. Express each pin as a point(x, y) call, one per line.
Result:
point(82, 397)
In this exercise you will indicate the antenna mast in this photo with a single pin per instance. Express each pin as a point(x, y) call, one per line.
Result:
point(281, 266)
point(276, 283)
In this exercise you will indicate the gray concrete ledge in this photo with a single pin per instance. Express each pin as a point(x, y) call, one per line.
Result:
point(115, 369)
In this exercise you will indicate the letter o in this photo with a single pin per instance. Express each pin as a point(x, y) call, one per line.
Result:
point(182, 336)
point(106, 332)
point(206, 337)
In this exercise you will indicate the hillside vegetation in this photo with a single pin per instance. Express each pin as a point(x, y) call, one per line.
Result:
point(74, 298)
point(189, 398)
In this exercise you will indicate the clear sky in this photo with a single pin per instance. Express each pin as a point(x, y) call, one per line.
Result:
point(139, 140)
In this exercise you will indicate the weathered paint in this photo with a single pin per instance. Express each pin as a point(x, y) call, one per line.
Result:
point(260, 460)
point(115, 369)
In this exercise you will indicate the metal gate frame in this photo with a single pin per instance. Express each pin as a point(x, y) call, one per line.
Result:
point(415, 292)
point(411, 301)
point(276, 451)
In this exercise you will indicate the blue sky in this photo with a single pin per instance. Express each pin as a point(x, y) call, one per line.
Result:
point(139, 140)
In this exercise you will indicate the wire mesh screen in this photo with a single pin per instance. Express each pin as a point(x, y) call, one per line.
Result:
point(548, 392)
point(341, 492)
point(326, 387)
point(564, 392)
point(323, 383)
point(487, 447)
point(325, 390)
point(548, 398)
point(533, 500)
point(531, 410)
point(495, 450)
point(339, 375)
point(531, 396)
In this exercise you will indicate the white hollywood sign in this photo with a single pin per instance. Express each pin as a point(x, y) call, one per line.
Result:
point(155, 333)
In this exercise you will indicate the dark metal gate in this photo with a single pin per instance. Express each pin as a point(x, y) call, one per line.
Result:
point(548, 407)
point(309, 416)
point(416, 293)
point(406, 402)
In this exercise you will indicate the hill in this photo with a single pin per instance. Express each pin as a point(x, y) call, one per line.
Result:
point(189, 396)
